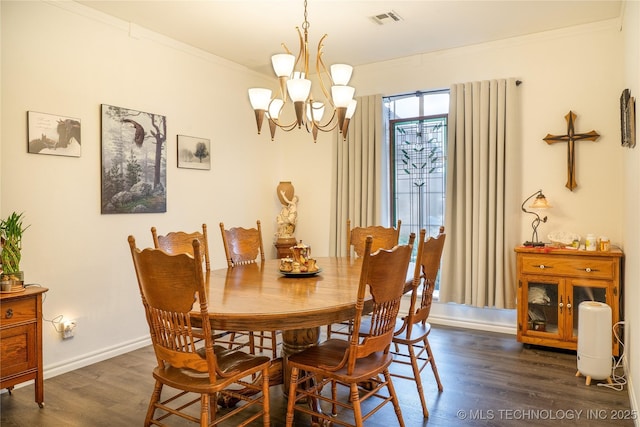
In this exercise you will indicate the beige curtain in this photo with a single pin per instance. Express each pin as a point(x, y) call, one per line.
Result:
point(357, 175)
point(478, 263)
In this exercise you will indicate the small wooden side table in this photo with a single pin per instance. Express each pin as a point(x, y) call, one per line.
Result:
point(21, 339)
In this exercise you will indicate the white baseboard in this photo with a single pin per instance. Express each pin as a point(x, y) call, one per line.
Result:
point(69, 365)
point(484, 319)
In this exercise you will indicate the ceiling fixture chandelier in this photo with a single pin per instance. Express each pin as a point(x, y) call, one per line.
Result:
point(293, 73)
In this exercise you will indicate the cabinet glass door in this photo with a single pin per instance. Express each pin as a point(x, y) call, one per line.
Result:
point(542, 307)
point(580, 293)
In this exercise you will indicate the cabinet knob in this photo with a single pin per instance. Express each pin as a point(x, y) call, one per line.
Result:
point(541, 266)
point(588, 270)
point(9, 313)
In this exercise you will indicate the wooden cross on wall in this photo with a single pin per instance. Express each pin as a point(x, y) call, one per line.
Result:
point(570, 138)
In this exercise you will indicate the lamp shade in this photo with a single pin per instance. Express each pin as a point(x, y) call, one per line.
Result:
point(351, 108)
point(341, 74)
point(259, 98)
point(299, 89)
point(315, 111)
point(283, 64)
point(342, 95)
point(540, 202)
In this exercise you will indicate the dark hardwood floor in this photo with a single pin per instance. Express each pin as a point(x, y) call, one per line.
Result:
point(489, 380)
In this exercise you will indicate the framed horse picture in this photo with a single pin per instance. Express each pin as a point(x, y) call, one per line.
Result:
point(53, 134)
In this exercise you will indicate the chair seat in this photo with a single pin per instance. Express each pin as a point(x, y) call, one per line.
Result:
point(330, 353)
point(230, 363)
point(418, 332)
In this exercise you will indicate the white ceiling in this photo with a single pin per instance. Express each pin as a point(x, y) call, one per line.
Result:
point(248, 32)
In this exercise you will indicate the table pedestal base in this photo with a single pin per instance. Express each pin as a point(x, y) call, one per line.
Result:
point(295, 341)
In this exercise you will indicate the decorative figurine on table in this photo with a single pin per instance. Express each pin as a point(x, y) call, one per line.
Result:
point(286, 219)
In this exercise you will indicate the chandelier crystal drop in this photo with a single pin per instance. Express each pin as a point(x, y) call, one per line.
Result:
point(294, 88)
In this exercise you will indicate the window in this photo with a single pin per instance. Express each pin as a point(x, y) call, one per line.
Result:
point(416, 129)
point(417, 136)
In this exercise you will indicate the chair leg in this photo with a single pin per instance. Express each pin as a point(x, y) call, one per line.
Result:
point(418, 380)
point(213, 406)
point(274, 344)
point(155, 397)
point(432, 361)
point(252, 344)
point(231, 340)
point(266, 405)
point(204, 410)
point(334, 398)
point(292, 396)
point(355, 402)
point(394, 397)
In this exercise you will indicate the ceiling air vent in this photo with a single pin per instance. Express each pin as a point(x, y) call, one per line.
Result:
point(386, 18)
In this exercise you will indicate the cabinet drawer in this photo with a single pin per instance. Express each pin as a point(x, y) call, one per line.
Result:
point(17, 311)
point(583, 267)
point(18, 349)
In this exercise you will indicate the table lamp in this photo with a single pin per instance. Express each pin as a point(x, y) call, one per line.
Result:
point(540, 202)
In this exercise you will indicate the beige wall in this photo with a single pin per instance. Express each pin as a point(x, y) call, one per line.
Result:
point(64, 59)
point(631, 203)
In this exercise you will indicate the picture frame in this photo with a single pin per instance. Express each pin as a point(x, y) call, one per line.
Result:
point(194, 152)
point(627, 119)
point(53, 134)
point(134, 161)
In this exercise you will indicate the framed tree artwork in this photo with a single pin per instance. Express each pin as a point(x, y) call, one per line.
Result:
point(53, 134)
point(194, 153)
point(134, 161)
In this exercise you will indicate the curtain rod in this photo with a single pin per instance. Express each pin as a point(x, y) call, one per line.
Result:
point(423, 92)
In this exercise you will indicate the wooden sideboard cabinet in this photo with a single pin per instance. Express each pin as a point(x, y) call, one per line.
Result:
point(551, 285)
point(21, 339)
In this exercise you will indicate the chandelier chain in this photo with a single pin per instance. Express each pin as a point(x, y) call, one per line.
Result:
point(305, 23)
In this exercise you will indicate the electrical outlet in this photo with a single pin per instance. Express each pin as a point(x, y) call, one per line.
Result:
point(67, 329)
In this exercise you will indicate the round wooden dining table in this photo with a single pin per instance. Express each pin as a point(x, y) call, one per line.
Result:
point(258, 297)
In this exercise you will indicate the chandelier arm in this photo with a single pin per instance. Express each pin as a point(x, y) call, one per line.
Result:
point(321, 69)
point(283, 126)
point(330, 124)
point(301, 52)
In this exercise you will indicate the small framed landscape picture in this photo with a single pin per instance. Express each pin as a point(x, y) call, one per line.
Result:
point(194, 153)
point(53, 134)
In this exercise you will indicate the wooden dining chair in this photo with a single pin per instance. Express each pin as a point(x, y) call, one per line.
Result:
point(244, 246)
point(383, 238)
point(173, 293)
point(176, 242)
point(411, 339)
point(361, 360)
